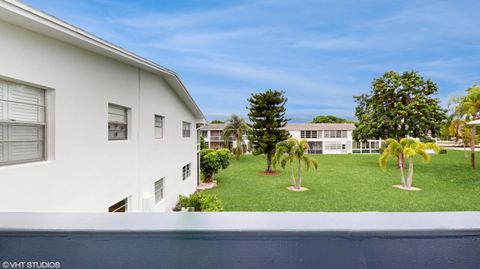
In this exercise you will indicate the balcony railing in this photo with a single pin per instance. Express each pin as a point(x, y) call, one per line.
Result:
point(216, 138)
point(241, 240)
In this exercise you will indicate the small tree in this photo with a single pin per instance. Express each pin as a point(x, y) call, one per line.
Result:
point(468, 107)
point(409, 148)
point(285, 153)
point(210, 164)
point(291, 150)
point(303, 158)
point(267, 117)
point(237, 128)
point(211, 161)
point(224, 157)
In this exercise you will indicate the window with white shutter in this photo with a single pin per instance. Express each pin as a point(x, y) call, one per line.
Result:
point(186, 126)
point(117, 122)
point(159, 190)
point(159, 123)
point(22, 123)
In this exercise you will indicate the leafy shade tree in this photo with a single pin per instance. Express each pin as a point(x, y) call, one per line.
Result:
point(236, 127)
point(468, 107)
point(330, 119)
point(267, 117)
point(399, 105)
point(294, 150)
point(211, 161)
point(409, 148)
point(216, 122)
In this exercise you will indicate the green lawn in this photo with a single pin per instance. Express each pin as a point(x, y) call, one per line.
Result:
point(351, 183)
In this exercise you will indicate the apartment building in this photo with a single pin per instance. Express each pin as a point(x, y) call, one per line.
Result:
point(86, 126)
point(324, 138)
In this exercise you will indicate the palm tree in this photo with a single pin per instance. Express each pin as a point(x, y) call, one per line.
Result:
point(455, 129)
point(409, 148)
point(468, 106)
point(291, 150)
point(236, 127)
point(393, 149)
point(285, 153)
point(302, 147)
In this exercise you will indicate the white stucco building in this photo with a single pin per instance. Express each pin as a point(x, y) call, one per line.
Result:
point(212, 134)
point(86, 126)
point(324, 138)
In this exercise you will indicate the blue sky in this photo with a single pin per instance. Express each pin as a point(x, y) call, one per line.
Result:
point(320, 52)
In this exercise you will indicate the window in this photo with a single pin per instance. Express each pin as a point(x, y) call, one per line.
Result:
point(186, 129)
point(186, 171)
point(119, 207)
point(333, 145)
point(310, 134)
point(22, 123)
point(117, 122)
point(159, 122)
point(159, 190)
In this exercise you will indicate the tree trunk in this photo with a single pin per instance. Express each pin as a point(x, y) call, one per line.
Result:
point(402, 176)
point(299, 174)
point(294, 182)
point(472, 147)
point(401, 161)
point(238, 149)
point(269, 164)
point(209, 179)
point(464, 149)
point(410, 173)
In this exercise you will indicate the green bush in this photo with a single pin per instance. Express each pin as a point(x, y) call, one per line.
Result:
point(201, 202)
point(210, 165)
point(224, 155)
point(213, 160)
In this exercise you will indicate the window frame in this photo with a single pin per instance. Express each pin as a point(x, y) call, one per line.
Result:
point(126, 124)
point(189, 130)
point(45, 124)
point(155, 116)
point(186, 171)
point(162, 190)
point(126, 202)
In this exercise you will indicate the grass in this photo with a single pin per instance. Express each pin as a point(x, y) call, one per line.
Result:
point(351, 183)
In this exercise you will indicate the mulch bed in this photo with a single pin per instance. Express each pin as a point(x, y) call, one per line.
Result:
point(274, 173)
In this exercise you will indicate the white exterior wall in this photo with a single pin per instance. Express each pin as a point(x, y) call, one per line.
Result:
point(347, 141)
point(84, 171)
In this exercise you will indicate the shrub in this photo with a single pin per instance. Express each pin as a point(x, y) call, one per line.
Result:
point(210, 165)
point(201, 202)
point(213, 160)
point(224, 155)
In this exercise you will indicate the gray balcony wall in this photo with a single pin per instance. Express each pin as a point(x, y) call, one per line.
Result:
point(244, 240)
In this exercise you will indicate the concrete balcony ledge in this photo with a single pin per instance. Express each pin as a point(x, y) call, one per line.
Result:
point(243, 221)
point(241, 240)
